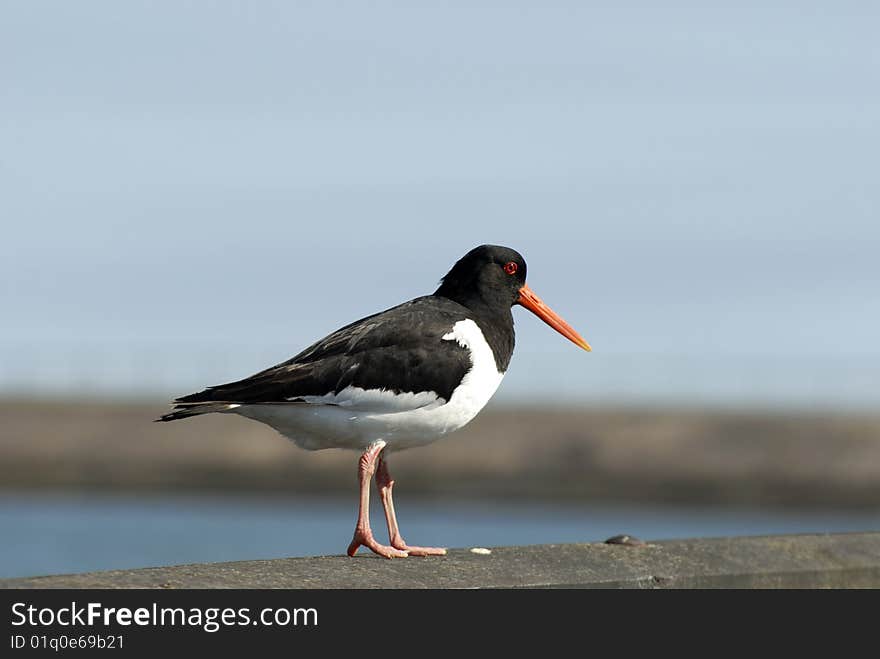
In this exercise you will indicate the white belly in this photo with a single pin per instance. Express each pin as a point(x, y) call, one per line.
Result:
point(354, 418)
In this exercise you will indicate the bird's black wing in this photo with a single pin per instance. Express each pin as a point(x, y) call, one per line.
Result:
point(399, 350)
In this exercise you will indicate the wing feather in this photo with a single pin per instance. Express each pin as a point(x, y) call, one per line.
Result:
point(400, 350)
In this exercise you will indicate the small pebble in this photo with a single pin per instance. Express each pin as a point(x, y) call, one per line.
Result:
point(623, 539)
point(482, 551)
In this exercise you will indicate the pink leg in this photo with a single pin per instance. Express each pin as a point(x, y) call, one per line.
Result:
point(385, 485)
point(362, 533)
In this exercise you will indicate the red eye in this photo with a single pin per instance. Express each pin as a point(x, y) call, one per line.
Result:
point(510, 268)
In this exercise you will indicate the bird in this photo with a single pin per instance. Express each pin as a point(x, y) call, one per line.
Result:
point(398, 379)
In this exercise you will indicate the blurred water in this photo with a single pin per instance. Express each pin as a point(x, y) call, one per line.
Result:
point(73, 533)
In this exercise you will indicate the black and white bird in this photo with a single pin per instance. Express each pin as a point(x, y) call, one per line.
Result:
point(398, 379)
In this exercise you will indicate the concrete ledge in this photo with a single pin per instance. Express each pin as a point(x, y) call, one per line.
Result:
point(796, 561)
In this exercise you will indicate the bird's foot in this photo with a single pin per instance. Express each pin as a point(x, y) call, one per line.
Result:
point(398, 543)
point(366, 539)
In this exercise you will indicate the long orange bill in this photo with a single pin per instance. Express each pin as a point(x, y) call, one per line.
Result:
point(533, 303)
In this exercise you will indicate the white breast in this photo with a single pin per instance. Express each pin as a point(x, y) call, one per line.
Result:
point(355, 417)
point(482, 380)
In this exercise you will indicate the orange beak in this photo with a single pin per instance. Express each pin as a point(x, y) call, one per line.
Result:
point(533, 303)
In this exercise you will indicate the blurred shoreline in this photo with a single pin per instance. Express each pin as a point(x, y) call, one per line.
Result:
point(807, 460)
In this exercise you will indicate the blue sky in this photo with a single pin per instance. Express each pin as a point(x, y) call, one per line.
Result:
point(193, 191)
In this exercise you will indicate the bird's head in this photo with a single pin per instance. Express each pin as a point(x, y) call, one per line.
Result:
point(492, 276)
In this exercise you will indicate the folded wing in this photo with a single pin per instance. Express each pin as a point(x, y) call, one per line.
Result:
point(396, 359)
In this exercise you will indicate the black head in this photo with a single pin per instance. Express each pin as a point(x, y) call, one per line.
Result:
point(487, 276)
point(491, 279)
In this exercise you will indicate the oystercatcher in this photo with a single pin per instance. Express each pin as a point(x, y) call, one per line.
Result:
point(401, 378)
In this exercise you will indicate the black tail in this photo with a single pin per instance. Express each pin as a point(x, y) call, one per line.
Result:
point(219, 398)
point(186, 410)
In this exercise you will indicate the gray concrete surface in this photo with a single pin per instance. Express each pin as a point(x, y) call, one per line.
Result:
point(797, 561)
